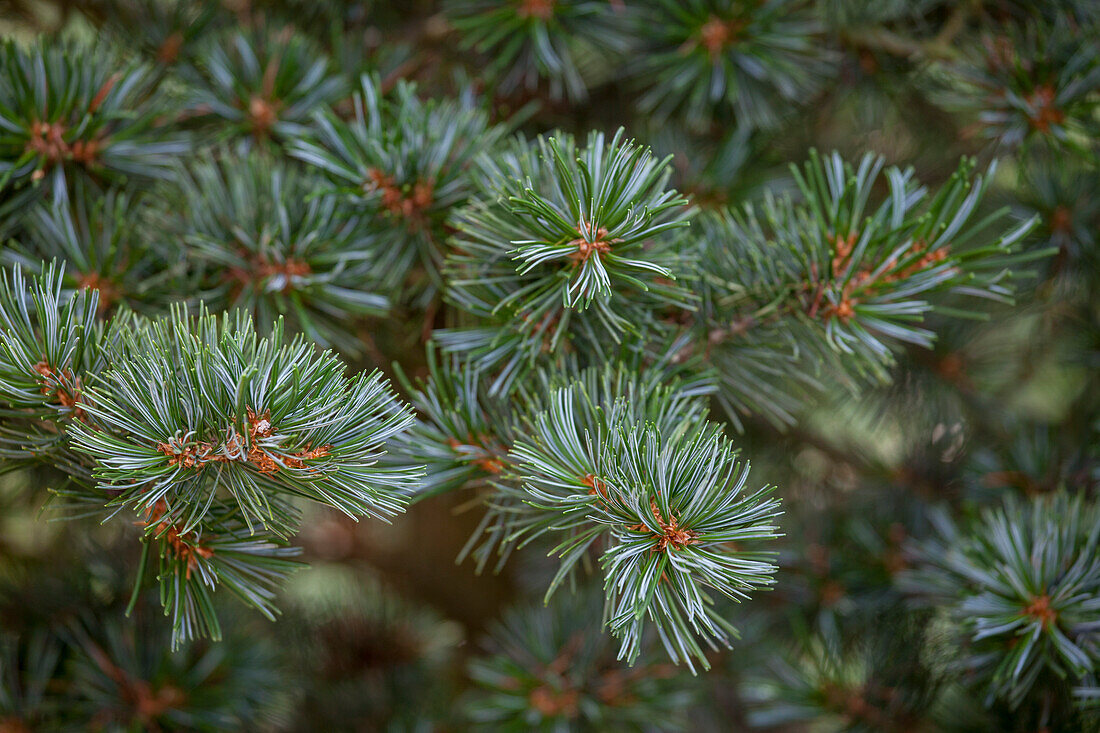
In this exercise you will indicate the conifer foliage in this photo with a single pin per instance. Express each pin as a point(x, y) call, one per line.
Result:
point(197, 426)
point(71, 111)
point(403, 162)
point(451, 329)
point(572, 245)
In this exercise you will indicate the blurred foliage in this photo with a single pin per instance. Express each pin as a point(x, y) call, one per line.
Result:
point(938, 461)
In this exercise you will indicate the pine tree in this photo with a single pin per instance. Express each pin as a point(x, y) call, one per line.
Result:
point(300, 303)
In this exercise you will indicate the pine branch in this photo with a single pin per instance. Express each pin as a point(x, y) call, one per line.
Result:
point(203, 406)
point(464, 431)
point(259, 240)
point(201, 427)
point(873, 684)
point(261, 85)
point(550, 668)
point(565, 247)
point(405, 164)
point(564, 44)
point(166, 33)
point(797, 294)
point(71, 657)
point(627, 391)
point(1021, 587)
point(104, 240)
point(663, 499)
point(51, 342)
point(1022, 84)
point(462, 434)
point(223, 551)
point(715, 58)
point(76, 111)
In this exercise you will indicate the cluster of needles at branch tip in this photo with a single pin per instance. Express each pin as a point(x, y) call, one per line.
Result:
point(590, 242)
point(198, 454)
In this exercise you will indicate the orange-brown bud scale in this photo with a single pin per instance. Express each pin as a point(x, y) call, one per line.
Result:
point(490, 462)
point(62, 384)
point(1044, 113)
point(552, 703)
point(408, 202)
point(197, 455)
point(538, 9)
point(47, 139)
point(671, 535)
point(262, 115)
point(1040, 609)
point(716, 35)
point(589, 242)
point(185, 549)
